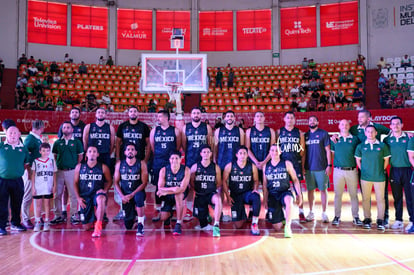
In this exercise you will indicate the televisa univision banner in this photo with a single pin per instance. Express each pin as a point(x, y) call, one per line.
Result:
point(166, 22)
point(89, 27)
point(47, 23)
point(215, 30)
point(339, 24)
point(134, 29)
point(254, 30)
point(298, 27)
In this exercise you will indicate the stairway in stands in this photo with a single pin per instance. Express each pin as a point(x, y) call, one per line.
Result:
point(7, 89)
point(371, 88)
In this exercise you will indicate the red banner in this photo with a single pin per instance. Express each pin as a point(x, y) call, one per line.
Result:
point(135, 29)
point(47, 23)
point(339, 24)
point(298, 27)
point(166, 22)
point(215, 30)
point(89, 27)
point(254, 30)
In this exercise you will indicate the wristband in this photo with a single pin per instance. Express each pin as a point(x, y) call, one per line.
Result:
point(329, 165)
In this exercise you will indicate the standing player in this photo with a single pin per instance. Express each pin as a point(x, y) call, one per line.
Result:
point(292, 145)
point(277, 174)
point(173, 190)
point(77, 124)
point(318, 166)
point(163, 139)
point(131, 178)
point(92, 182)
point(240, 177)
point(206, 180)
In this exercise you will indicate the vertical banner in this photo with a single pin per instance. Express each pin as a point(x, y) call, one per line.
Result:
point(339, 24)
point(134, 29)
point(47, 23)
point(254, 30)
point(89, 27)
point(298, 27)
point(166, 22)
point(215, 30)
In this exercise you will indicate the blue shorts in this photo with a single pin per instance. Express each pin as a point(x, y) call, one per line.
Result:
point(201, 204)
point(87, 214)
point(276, 203)
point(168, 201)
point(317, 179)
point(238, 211)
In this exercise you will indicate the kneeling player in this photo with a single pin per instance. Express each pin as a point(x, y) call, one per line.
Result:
point(131, 178)
point(241, 178)
point(206, 180)
point(173, 189)
point(92, 182)
point(276, 193)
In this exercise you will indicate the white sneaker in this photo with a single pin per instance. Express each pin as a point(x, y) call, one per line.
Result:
point(208, 227)
point(310, 217)
point(397, 225)
point(37, 226)
point(408, 227)
point(325, 218)
point(46, 226)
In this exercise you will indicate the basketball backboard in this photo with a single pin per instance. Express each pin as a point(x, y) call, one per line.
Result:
point(189, 71)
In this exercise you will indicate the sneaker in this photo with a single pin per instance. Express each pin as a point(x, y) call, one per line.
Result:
point(356, 221)
point(409, 225)
point(57, 220)
point(397, 225)
point(177, 229)
point(28, 224)
point(335, 221)
point(140, 230)
point(74, 219)
point(208, 227)
point(302, 218)
point(255, 229)
point(46, 226)
point(37, 227)
point(97, 231)
point(380, 225)
point(367, 223)
point(120, 216)
point(386, 223)
point(19, 228)
point(216, 231)
point(188, 215)
point(411, 230)
point(288, 232)
point(310, 217)
point(226, 218)
point(3, 232)
point(325, 218)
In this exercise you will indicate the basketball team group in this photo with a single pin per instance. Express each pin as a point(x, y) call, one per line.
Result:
point(246, 170)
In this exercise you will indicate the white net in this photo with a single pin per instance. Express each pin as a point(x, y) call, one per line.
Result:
point(174, 92)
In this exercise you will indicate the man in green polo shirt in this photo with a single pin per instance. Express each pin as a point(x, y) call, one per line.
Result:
point(372, 157)
point(32, 143)
point(14, 158)
point(400, 173)
point(68, 153)
point(410, 151)
point(345, 171)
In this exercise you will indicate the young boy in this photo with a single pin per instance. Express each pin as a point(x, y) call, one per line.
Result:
point(44, 185)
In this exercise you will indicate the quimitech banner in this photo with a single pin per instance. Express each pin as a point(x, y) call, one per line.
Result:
point(134, 29)
point(46, 23)
point(166, 22)
point(339, 24)
point(215, 30)
point(89, 27)
point(254, 30)
point(298, 27)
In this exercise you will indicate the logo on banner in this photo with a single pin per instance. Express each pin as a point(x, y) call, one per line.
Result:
point(214, 31)
point(380, 18)
point(170, 30)
point(340, 25)
point(297, 29)
point(254, 30)
point(90, 27)
point(134, 33)
point(43, 23)
point(407, 15)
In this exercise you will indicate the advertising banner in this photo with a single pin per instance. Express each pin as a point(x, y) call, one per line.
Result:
point(215, 30)
point(254, 30)
point(166, 22)
point(134, 29)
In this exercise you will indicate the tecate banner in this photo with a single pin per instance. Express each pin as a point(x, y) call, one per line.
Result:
point(254, 30)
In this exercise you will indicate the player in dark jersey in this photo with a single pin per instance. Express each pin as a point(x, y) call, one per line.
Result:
point(173, 190)
point(292, 145)
point(131, 178)
point(77, 124)
point(240, 177)
point(163, 140)
point(92, 182)
point(206, 180)
point(277, 175)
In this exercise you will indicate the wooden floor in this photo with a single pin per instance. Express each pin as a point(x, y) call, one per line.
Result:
point(315, 248)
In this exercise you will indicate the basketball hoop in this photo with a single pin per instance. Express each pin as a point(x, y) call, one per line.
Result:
point(174, 92)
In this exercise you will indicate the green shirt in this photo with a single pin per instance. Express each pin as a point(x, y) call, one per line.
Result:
point(67, 152)
point(344, 150)
point(358, 131)
point(398, 149)
point(12, 160)
point(372, 160)
point(410, 146)
point(32, 144)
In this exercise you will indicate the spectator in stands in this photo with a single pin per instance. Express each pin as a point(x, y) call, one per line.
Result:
point(1, 71)
point(101, 60)
point(314, 101)
point(248, 94)
point(54, 68)
point(294, 91)
point(22, 60)
point(409, 102)
point(358, 96)
point(21, 81)
point(218, 123)
point(405, 88)
point(59, 104)
point(106, 99)
point(321, 107)
point(50, 106)
point(305, 63)
point(31, 102)
point(256, 92)
point(152, 106)
point(278, 92)
point(56, 78)
point(361, 60)
point(350, 77)
point(32, 70)
point(342, 78)
point(22, 104)
point(82, 68)
point(67, 59)
point(320, 85)
point(395, 91)
point(348, 107)
point(312, 64)
point(92, 105)
point(405, 61)
point(31, 60)
point(302, 105)
point(306, 74)
point(323, 99)
point(340, 97)
point(399, 101)
point(330, 107)
point(304, 86)
point(332, 97)
point(382, 64)
point(110, 62)
point(315, 74)
point(37, 91)
point(313, 85)
point(219, 79)
point(393, 81)
point(382, 81)
point(41, 104)
point(360, 107)
point(230, 80)
point(294, 105)
point(39, 65)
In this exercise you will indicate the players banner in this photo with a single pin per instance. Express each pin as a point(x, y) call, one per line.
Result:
point(89, 27)
point(47, 23)
point(254, 30)
point(166, 22)
point(134, 29)
point(298, 27)
point(215, 30)
point(339, 24)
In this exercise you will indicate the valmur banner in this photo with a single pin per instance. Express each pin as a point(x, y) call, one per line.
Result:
point(215, 30)
point(47, 23)
point(339, 24)
point(166, 22)
point(298, 27)
point(89, 27)
point(254, 30)
point(134, 29)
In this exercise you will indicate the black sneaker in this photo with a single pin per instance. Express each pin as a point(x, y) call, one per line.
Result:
point(380, 225)
point(57, 220)
point(177, 229)
point(335, 221)
point(75, 219)
point(19, 228)
point(356, 221)
point(3, 232)
point(367, 223)
point(140, 230)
